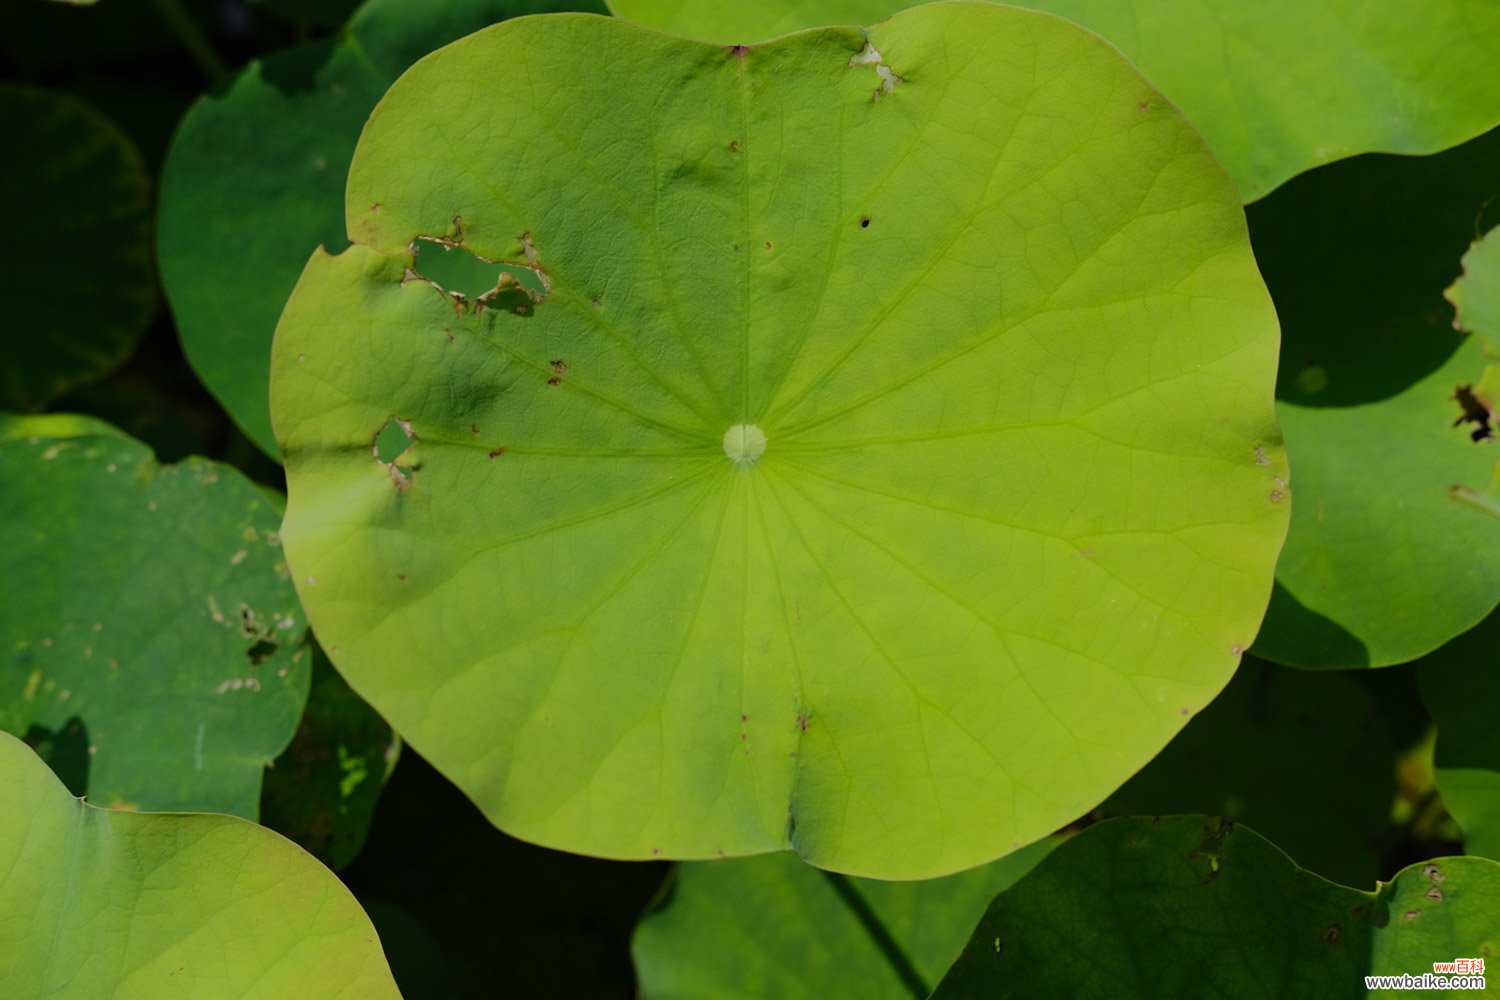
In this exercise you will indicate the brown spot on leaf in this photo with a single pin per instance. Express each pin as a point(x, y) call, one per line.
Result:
point(1332, 934)
point(497, 453)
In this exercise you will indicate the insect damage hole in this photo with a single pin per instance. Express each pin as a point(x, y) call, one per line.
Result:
point(1475, 410)
point(472, 280)
point(870, 56)
point(390, 444)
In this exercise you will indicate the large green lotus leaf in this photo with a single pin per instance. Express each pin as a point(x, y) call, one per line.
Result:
point(863, 484)
point(1305, 757)
point(255, 176)
point(1186, 906)
point(322, 790)
point(1277, 86)
point(79, 283)
point(102, 903)
point(1461, 688)
point(147, 619)
point(774, 927)
point(1384, 562)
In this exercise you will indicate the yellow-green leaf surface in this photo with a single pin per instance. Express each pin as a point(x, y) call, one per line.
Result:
point(152, 639)
point(136, 906)
point(774, 927)
point(78, 282)
point(1183, 907)
point(887, 472)
point(1384, 561)
point(1277, 86)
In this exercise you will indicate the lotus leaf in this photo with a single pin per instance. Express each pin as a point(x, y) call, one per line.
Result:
point(147, 620)
point(1187, 906)
point(772, 926)
point(140, 906)
point(887, 470)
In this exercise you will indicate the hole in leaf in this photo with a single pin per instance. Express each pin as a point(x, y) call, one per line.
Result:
point(66, 751)
point(391, 441)
point(458, 271)
point(261, 651)
point(1475, 411)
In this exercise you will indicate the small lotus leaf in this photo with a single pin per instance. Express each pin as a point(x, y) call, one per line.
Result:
point(1188, 907)
point(774, 927)
point(859, 483)
point(136, 906)
point(147, 620)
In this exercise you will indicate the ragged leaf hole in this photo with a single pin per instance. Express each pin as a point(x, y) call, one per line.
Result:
point(1476, 412)
point(458, 271)
point(393, 438)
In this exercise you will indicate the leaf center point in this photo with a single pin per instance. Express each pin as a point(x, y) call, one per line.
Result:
point(744, 443)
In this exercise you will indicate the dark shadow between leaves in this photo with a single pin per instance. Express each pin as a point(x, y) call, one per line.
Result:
point(1294, 632)
point(295, 71)
point(66, 751)
point(1357, 255)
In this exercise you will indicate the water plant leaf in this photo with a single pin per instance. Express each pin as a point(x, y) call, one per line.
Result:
point(1187, 906)
point(255, 176)
point(139, 906)
point(1461, 689)
point(1277, 86)
point(773, 926)
point(163, 642)
point(79, 284)
point(859, 484)
point(1383, 562)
